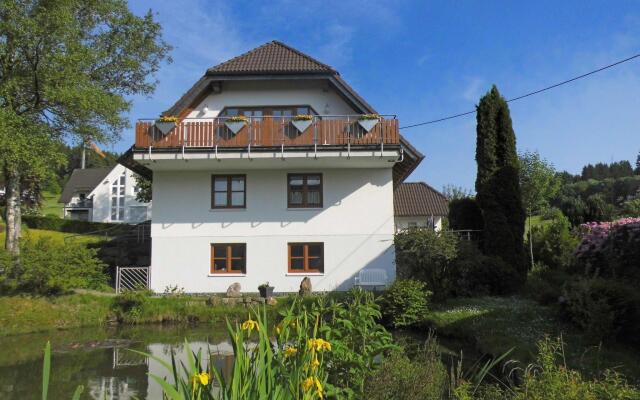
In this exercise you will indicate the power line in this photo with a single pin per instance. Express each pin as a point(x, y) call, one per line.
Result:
point(528, 94)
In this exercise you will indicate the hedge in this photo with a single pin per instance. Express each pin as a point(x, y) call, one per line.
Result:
point(52, 223)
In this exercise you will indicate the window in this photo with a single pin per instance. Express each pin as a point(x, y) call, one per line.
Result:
point(117, 198)
point(274, 111)
point(306, 257)
point(228, 258)
point(304, 191)
point(228, 191)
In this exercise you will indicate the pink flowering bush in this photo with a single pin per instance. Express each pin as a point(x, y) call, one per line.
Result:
point(611, 248)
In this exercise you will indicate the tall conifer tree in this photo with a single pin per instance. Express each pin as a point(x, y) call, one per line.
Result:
point(497, 185)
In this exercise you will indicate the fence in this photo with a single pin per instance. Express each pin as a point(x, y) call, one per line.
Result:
point(132, 278)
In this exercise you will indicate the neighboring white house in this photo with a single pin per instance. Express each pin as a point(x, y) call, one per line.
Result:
point(103, 195)
point(418, 205)
point(277, 197)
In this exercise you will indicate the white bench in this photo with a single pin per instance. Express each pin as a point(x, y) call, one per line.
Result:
point(372, 277)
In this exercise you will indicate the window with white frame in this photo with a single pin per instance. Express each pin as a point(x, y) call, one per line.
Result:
point(117, 198)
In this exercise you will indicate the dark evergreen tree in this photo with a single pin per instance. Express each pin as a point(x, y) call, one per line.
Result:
point(497, 184)
point(638, 164)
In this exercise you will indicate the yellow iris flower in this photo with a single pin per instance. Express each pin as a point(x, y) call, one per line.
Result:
point(290, 351)
point(319, 344)
point(311, 382)
point(202, 378)
point(250, 325)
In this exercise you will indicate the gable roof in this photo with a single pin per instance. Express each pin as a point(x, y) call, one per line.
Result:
point(83, 179)
point(271, 58)
point(418, 198)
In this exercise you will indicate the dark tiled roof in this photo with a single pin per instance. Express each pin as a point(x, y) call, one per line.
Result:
point(271, 58)
point(418, 198)
point(83, 179)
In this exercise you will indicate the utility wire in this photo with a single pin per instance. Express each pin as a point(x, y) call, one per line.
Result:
point(528, 94)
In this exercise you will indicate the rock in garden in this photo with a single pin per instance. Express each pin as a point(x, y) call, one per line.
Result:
point(234, 290)
point(272, 301)
point(305, 287)
point(214, 301)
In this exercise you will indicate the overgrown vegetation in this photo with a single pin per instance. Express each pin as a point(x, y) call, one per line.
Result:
point(405, 303)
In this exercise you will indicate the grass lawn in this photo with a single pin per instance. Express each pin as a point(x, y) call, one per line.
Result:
point(50, 204)
point(493, 325)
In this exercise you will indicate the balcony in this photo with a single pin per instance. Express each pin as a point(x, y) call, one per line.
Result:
point(280, 132)
point(86, 203)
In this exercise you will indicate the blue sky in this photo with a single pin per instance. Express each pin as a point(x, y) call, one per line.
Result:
point(424, 60)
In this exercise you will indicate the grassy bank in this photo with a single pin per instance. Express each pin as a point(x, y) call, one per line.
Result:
point(26, 314)
point(493, 325)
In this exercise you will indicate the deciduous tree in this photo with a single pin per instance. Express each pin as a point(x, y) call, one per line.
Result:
point(67, 69)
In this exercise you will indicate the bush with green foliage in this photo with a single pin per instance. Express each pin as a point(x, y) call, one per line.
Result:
point(129, 304)
point(426, 255)
point(400, 378)
point(545, 284)
point(606, 309)
point(405, 303)
point(475, 274)
point(554, 243)
point(48, 267)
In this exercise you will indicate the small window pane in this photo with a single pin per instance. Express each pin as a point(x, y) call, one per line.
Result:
point(303, 111)
point(237, 199)
point(219, 250)
point(221, 184)
point(296, 180)
point(297, 264)
point(315, 264)
point(237, 265)
point(220, 265)
point(121, 214)
point(295, 197)
point(121, 190)
point(231, 111)
point(237, 183)
point(220, 199)
point(237, 250)
point(121, 201)
point(122, 179)
point(313, 198)
point(114, 213)
point(313, 180)
point(297, 250)
point(114, 190)
point(315, 250)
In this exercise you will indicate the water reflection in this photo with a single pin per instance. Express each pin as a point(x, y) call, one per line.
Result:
point(100, 361)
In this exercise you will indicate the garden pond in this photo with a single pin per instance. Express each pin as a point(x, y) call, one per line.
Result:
point(99, 358)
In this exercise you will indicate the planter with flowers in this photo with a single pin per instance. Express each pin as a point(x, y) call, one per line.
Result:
point(236, 123)
point(265, 290)
point(368, 121)
point(166, 123)
point(302, 122)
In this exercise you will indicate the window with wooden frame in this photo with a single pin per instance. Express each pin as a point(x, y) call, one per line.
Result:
point(306, 257)
point(304, 190)
point(269, 111)
point(228, 191)
point(228, 258)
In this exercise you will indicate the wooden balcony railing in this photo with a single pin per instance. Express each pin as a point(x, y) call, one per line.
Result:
point(267, 131)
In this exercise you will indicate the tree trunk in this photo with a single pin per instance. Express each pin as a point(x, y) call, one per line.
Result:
point(530, 239)
point(13, 215)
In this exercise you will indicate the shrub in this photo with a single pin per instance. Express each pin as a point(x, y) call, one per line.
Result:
point(129, 304)
point(545, 284)
point(399, 377)
point(426, 255)
point(48, 267)
point(604, 308)
point(53, 223)
point(404, 303)
point(554, 244)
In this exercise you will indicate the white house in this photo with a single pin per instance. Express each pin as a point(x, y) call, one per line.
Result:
point(301, 187)
point(418, 205)
point(103, 195)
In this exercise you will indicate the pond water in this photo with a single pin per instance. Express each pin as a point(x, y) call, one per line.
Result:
point(99, 359)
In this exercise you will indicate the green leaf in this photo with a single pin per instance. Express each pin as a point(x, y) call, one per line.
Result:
point(46, 371)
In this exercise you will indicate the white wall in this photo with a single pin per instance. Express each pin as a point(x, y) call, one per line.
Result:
point(316, 93)
point(421, 221)
point(356, 225)
point(102, 197)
